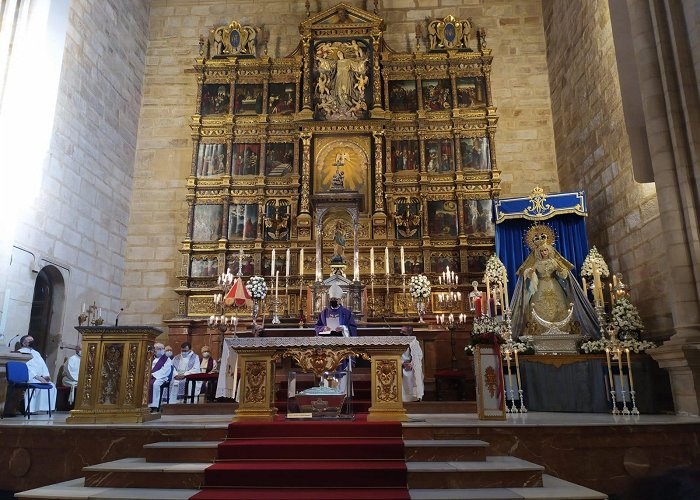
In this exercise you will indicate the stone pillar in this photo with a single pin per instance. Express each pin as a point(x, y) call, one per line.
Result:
point(670, 111)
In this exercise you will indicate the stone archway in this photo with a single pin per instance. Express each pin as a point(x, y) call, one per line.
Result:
point(46, 315)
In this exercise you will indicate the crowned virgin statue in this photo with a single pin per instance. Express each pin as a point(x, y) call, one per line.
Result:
point(547, 286)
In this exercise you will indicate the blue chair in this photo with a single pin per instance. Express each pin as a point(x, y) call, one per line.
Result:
point(18, 377)
point(165, 387)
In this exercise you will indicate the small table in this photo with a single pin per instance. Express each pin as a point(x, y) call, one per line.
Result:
point(210, 379)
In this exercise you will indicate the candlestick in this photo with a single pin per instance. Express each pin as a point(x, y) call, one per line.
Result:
point(488, 298)
point(625, 410)
point(272, 264)
point(386, 264)
point(629, 369)
point(612, 382)
point(301, 262)
point(277, 284)
point(287, 264)
point(509, 409)
point(371, 261)
point(403, 262)
point(598, 295)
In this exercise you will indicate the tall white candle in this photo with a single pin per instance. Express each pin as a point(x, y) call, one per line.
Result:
point(386, 260)
point(287, 265)
point(301, 262)
point(505, 288)
point(277, 284)
point(403, 263)
point(371, 261)
point(272, 264)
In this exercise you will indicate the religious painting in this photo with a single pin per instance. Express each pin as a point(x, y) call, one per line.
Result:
point(476, 262)
point(437, 95)
point(211, 159)
point(343, 165)
point(413, 263)
point(247, 265)
point(281, 98)
point(248, 99)
point(471, 92)
point(403, 96)
point(341, 80)
point(216, 99)
point(279, 159)
point(280, 266)
point(246, 158)
point(243, 221)
point(277, 219)
point(407, 216)
point(442, 218)
point(439, 156)
point(204, 267)
point(405, 156)
point(206, 224)
point(475, 153)
point(439, 262)
point(478, 218)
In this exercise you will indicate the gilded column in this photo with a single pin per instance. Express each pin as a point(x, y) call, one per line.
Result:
point(377, 110)
point(306, 110)
point(305, 172)
point(378, 171)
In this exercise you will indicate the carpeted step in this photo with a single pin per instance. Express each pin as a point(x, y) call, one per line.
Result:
point(306, 473)
point(311, 448)
point(303, 494)
point(313, 429)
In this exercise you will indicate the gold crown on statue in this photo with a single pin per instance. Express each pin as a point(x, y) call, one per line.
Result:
point(538, 235)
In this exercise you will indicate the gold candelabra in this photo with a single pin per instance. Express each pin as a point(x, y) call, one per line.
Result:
point(90, 315)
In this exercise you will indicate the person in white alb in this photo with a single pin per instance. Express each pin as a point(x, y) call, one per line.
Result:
point(160, 372)
point(38, 373)
point(185, 363)
point(71, 370)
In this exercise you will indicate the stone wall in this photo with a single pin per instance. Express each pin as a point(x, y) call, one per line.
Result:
point(524, 141)
point(78, 224)
point(593, 152)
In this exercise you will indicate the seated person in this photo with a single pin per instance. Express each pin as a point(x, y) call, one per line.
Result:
point(71, 369)
point(38, 373)
point(207, 365)
point(412, 369)
point(335, 317)
point(185, 364)
point(161, 366)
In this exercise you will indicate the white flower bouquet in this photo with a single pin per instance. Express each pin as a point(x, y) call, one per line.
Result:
point(419, 287)
point(597, 346)
point(593, 260)
point(625, 317)
point(256, 286)
point(494, 270)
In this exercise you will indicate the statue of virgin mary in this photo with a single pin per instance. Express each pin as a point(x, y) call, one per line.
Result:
point(546, 284)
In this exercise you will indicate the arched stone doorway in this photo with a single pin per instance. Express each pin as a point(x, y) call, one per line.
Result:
point(47, 312)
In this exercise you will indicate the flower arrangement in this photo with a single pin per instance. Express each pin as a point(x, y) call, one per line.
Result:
point(520, 347)
point(486, 330)
point(596, 346)
point(494, 270)
point(593, 260)
point(625, 317)
point(419, 286)
point(256, 286)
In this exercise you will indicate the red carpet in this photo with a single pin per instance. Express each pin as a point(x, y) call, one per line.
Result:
point(309, 460)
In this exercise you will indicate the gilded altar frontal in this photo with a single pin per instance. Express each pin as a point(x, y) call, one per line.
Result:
point(410, 135)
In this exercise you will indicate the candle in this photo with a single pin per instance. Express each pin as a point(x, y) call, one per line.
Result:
point(505, 288)
point(517, 370)
point(610, 375)
point(272, 264)
point(301, 262)
point(277, 284)
point(614, 281)
point(500, 296)
point(488, 298)
point(622, 377)
point(287, 264)
point(510, 382)
point(612, 295)
point(456, 279)
point(583, 283)
point(403, 262)
point(629, 370)
point(386, 260)
point(598, 295)
point(477, 306)
point(99, 312)
point(83, 306)
point(371, 261)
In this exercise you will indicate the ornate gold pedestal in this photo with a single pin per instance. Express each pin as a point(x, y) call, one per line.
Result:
point(114, 372)
point(316, 354)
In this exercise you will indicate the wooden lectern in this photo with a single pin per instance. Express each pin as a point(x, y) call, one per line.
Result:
point(114, 374)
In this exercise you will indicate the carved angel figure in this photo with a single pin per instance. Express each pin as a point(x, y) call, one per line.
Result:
point(341, 80)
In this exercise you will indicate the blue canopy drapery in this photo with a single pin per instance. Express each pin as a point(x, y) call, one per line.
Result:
point(563, 212)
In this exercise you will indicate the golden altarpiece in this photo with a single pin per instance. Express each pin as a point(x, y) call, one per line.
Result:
point(409, 135)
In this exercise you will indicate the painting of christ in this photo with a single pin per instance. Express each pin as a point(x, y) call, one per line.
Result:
point(478, 219)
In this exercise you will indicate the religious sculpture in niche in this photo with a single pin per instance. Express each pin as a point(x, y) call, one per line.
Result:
point(449, 33)
point(341, 80)
point(277, 220)
point(233, 40)
point(338, 180)
point(349, 155)
point(339, 240)
point(407, 214)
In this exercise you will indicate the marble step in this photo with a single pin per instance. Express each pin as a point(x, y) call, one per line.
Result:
point(552, 488)
point(181, 451)
point(439, 407)
point(137, 473)
point(76, 489)
point(435, 450)
point(494, 472)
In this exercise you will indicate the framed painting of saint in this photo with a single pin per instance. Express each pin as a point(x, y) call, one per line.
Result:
point(211, 159)
point(413, 263)
point(405, 156)
point(279, 159)
point(204, 267)
point(475, 152)
point(248, 265)
point(441, 261)
point(478, 218)
point(247, 99)
point(442, 218)
point(246, 159)
point(403, 96)
point(277, 219)
point(476, 262)
point(437, 95)
point(471, 92)
point(216, 99)
point(243, 221)
point(206, 224)
point(439, 156)
point(281, 99)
